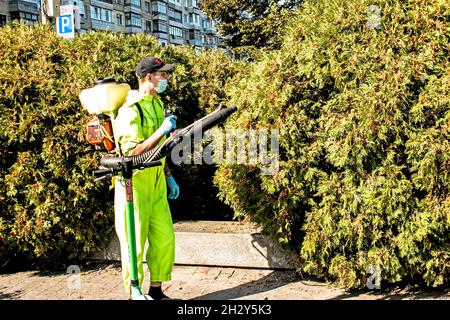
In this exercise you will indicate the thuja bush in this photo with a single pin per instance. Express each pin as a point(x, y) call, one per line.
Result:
point(360, 93)
point(52, 211)
point(50, 206)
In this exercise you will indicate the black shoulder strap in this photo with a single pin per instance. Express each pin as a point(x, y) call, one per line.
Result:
point(140, 112)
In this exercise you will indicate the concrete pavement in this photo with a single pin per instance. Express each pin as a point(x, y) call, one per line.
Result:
point(102, 281)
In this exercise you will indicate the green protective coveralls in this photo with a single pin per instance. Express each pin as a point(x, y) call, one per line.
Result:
point(153, 220)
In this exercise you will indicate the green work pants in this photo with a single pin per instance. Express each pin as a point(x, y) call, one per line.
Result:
point(153, 224)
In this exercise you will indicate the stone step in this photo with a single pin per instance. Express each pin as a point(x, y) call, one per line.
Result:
point(222, 244)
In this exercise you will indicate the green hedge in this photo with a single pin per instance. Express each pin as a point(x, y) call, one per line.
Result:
point(51, 209)
point(364, 120)
point(364, 117)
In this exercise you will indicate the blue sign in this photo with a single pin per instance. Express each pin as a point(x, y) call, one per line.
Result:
point(65, 26)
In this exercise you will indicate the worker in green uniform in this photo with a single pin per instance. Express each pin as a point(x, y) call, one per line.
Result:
point(140, 126)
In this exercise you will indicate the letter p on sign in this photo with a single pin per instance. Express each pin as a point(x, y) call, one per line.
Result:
point(65, 26)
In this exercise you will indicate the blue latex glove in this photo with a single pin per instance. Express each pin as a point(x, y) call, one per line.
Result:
point(168, 125)
point(174, 188)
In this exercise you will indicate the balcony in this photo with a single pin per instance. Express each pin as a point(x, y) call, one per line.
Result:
point(177, 24)
point(189, 9)
point(176, 40)
point(160, 35)
point(159, 29)
point(159, 8)
point(193, 26)
point(175, 6)
point(159, 18)
point(102, 4)
point(194, 42)
point(210, 31)
point(156, 30)
point(157, 11)
point(23, 6)
point(132, 6)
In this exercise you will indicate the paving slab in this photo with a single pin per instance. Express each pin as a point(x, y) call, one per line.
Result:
point(103, 282)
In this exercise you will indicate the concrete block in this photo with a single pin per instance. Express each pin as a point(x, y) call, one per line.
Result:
point(219, 243)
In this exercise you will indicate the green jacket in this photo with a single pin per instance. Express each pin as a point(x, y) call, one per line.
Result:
point(128, 129)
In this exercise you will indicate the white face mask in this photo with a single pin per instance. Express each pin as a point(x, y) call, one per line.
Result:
point(162, 86)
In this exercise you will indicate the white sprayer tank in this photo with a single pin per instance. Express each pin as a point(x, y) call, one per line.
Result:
point(105, 97)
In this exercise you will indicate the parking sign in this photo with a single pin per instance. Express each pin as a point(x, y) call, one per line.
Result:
point(65, 26)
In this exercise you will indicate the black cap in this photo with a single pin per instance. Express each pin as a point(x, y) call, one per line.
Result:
point(150, 65)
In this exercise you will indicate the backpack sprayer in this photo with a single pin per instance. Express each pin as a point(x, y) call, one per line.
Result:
point(103, 100)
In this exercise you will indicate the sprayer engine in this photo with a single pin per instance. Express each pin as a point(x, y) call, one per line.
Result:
point(102, 101)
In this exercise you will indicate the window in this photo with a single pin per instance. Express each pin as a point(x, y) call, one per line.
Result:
point(77, 3)
point(194, 18)
point(2, 20)
point(159, 7)
point(207, 23)
point(159, 26)
point(101, 14)
point(191, 3)
point(134, 3)
point(95, 13)
point(80, 5)
point(148, 26)
point(175, 15)
point(133, 20)
point(119, 20)
point(194, 35)
point(25, 16)
point(147, 6)
point(175, 31)
point(106, 15)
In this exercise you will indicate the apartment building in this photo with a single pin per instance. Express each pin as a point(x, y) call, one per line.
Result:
point(26, 10)
point(177, 22)
point(4, 12)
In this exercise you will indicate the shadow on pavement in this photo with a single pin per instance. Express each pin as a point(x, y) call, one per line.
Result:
point(276, 256)
point(10, 295)
point(85, 268)
point(397, 294)
point(269, 282)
